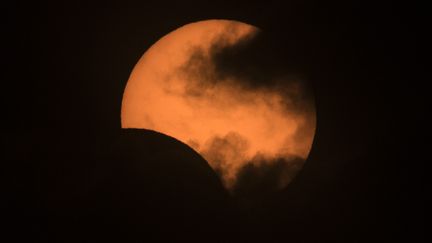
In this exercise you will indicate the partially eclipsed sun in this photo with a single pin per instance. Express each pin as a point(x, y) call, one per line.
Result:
point(179, 88)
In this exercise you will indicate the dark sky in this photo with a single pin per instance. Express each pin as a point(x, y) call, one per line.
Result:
point(72, 175)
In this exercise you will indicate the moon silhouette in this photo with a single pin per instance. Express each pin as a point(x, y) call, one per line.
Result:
point(192, 85)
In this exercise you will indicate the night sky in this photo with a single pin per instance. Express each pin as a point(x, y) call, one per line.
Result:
point(73, 175)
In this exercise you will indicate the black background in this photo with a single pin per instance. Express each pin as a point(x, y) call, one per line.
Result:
point(65, 68)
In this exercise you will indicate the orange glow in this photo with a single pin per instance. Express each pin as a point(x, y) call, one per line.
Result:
point(229, 124)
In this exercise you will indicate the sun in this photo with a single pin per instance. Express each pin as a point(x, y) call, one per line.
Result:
point(179, 88)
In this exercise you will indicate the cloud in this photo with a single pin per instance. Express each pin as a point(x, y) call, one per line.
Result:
point(226, 154)
point(245, 176)
point(237, 76)
point(261, 177)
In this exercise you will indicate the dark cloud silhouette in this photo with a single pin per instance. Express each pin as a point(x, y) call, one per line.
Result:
point(257, 180)
point(256, 61)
